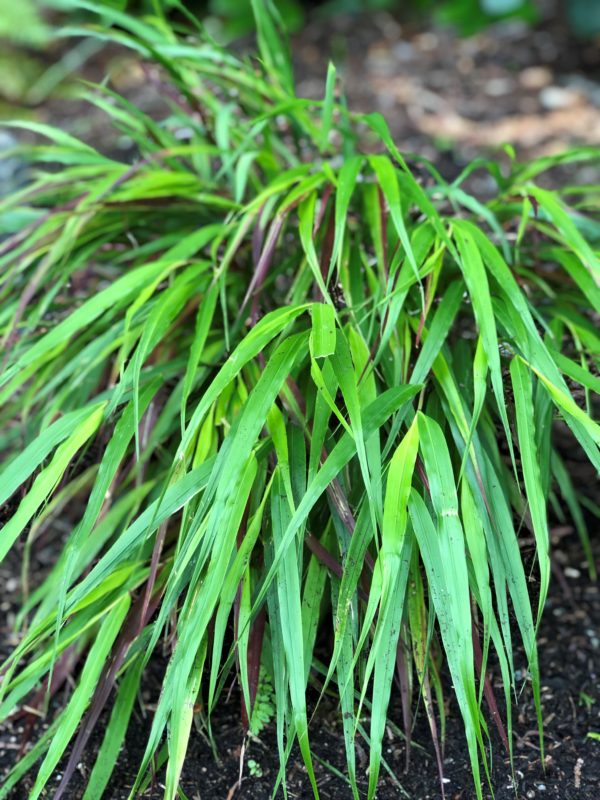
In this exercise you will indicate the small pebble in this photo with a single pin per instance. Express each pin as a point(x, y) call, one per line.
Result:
point(404, 51)
point(497, 87)
point(553, 98)
point(427, 41)
point(465, 65)
point(535, 77)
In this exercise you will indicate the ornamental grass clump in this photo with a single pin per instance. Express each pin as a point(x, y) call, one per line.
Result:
point(263, 387)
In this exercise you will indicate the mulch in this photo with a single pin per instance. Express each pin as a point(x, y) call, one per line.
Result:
point(569, 649)
point(537, 88)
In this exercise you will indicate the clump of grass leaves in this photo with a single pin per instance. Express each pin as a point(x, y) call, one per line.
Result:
point(273, 385)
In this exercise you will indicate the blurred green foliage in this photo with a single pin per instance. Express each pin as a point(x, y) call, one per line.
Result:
point(237, 19)
point(583, 17)
point(22, 22)
point(470, 16)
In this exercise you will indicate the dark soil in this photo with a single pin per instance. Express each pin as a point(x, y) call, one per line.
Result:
point(570, 661)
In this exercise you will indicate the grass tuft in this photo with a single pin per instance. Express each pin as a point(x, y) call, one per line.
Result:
point(277, 389)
